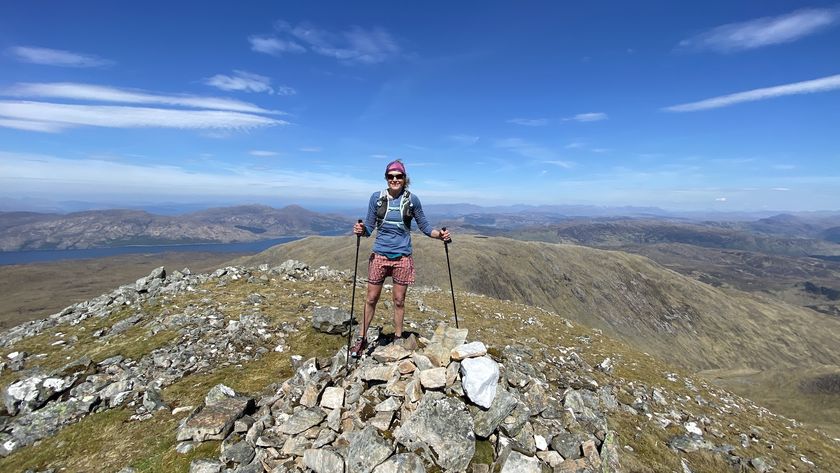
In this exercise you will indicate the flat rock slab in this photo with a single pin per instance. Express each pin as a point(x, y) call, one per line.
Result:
point(443, 429)
point(468, 350)
point(402, 463)
point(333, 398)
point(303, 420)
point(378, 373)
point(390, 353)
point(487, 421)
point(367, 449)
point(215, 421)
point(323, 461)
point(519, 463)
point(449, 337)
point(434, 378)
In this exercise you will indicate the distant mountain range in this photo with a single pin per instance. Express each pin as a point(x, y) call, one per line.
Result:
point(110, 228)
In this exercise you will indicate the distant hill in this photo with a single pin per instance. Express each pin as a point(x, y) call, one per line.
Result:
point(728, 334)
point(109, 228)
point(793, 238)
point(627, 295)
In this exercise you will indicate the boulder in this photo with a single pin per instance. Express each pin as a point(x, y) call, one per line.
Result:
point(519, 463)
point(214, 421)
point(330, 320)
point(479, 377)
point(367, 449)
point(402, 463)
point(323, 461)
point(468, 350)
point(487, 421)
point(442, 428)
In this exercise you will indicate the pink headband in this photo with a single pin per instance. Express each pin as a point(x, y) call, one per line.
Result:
point(395, 166)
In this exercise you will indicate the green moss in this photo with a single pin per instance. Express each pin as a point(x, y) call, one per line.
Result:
point(484, 453)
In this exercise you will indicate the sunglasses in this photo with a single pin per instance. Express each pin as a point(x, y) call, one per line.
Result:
point(394, 177)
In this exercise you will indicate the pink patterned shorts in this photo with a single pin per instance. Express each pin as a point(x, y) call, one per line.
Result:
point(400, 270)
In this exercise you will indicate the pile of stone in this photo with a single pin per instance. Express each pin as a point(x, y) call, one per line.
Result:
point(39, 403)
point(415, 405)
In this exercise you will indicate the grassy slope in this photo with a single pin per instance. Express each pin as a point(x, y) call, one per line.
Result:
point(674, 317)
point(108, 441)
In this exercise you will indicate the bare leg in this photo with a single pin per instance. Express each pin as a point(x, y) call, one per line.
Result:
point(399, 308)
point(372, 297)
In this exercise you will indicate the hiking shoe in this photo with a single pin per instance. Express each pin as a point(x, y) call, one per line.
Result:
point(359, 347)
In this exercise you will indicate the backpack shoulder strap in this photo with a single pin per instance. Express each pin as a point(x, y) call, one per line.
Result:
point(407, 209)
point(381, 207)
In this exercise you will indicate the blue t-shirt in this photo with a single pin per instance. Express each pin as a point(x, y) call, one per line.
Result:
point(392, 238)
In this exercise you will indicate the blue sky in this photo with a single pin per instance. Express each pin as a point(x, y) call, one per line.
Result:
point(710, 106)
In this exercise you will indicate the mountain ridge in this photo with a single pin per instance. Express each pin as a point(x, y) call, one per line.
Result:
point(118, 227)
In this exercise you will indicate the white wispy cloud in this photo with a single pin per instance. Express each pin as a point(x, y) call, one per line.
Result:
point(529, 121)
point(575, 145)
point(764, 31)
point(780, 189)
point(824, 84)
point(29, 125)
point(356, 45)
point(213, 113)
point(465, 140)
point(99, 93)
point(310, 149)
point(590, 117)
point(56, 57)
point(562, 164)
point(533, 151)
point(260, 153)
point(274, 46)
point(26, 174)
point(247, 82)
point(109, 116)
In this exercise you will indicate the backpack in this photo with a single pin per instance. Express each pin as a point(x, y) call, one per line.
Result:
point(406, 208)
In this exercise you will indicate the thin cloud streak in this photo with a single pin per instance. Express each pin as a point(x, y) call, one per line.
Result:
point(764, 31)
point(529, 121)
point(130, 117)
point(28, 125)
point(824, 84)
point(98, 93)
point(262, 153)
point(25, 174)
point(354, 46)
point(56, 57)
point(562, 164)
point(590, 117)
point(242, 81)
point(274, 46)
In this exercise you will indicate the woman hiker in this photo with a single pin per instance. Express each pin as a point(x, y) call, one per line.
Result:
point(391, 212)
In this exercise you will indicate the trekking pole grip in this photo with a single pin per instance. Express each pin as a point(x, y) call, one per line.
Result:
point(447, 241)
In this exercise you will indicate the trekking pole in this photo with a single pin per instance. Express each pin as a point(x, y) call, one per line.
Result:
point(451, 287)
point(353, 299)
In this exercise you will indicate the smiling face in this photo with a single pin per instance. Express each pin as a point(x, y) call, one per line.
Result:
point(396, 181)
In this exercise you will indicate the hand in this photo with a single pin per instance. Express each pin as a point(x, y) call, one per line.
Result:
point(359, 229)
point(444, 235)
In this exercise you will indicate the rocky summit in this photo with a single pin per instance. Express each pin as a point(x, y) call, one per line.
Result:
point(413, 409)
point(245, 370)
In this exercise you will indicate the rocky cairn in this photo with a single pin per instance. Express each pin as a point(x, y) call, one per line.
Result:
point(411, 406)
